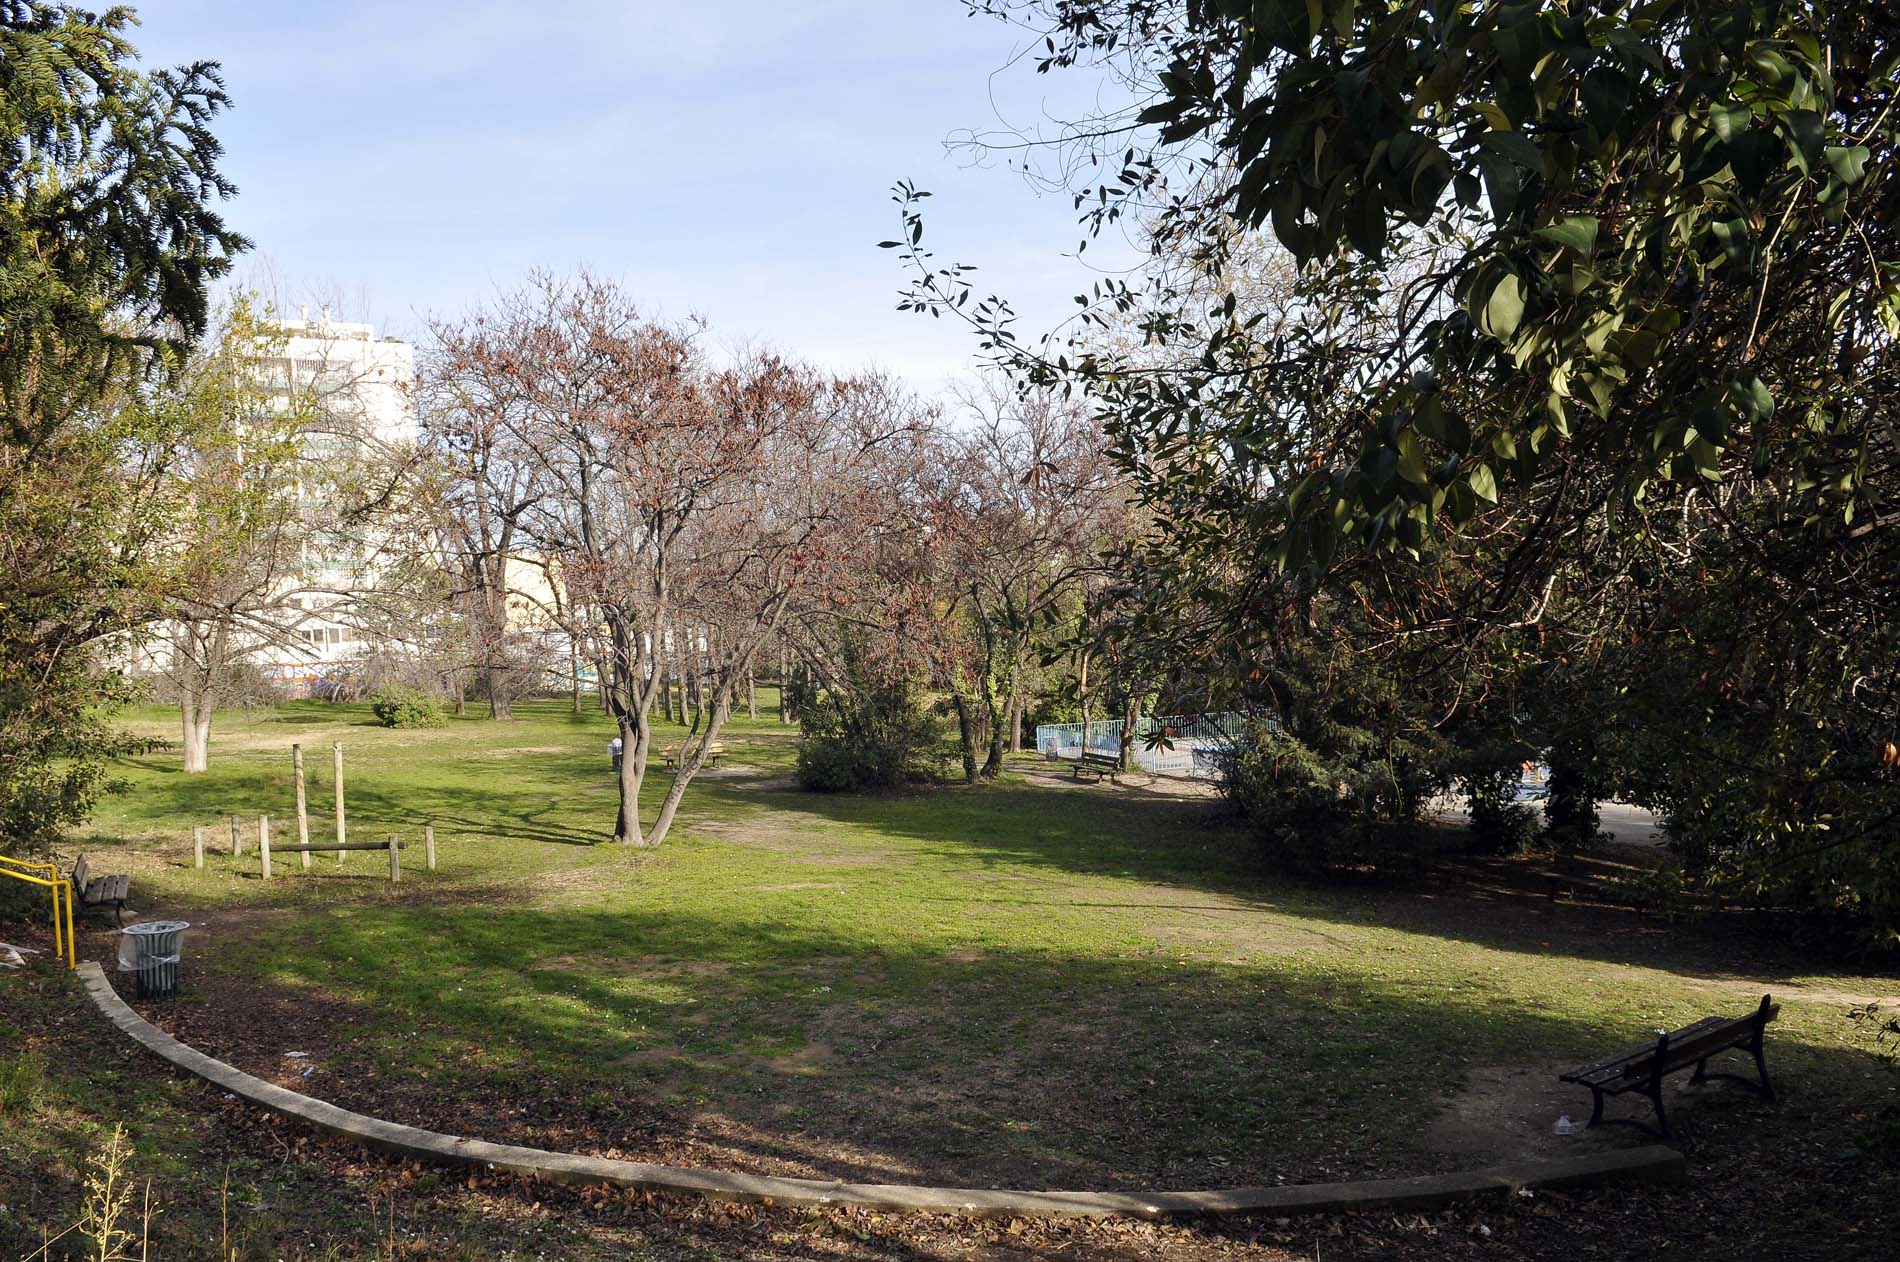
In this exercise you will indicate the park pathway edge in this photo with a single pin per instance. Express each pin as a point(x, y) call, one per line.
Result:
point(1651, 1163)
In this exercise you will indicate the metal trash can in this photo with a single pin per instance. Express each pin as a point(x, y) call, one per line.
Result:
point(151, 949)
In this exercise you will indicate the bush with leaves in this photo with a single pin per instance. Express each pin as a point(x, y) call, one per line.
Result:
point(1500, 824)
point(1331, 802)
point(1570, 811)
point(1751, 710)
point(396, 706)
point(877, 738)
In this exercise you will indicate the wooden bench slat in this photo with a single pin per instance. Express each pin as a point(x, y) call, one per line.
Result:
point(1643, 1051)
point(1643, 1068)
point(1716, 1039)
point(1693, 1043)
point(99, 891)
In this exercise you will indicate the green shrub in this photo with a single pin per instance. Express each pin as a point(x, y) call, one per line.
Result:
point(1500, 824)
point(1054, 708)
point(396, 706)
point(23, 904)
point(880, 738)
point(1327, 814)
point(1570, 812)
point(1664, 889)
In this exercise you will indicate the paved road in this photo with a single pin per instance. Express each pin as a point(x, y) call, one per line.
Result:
point(1627, 825)
point(1631, 825)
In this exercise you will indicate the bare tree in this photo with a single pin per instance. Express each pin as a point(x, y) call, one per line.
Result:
point(1035, 502)
point(680, 510)
point(785, 529)
point(474, 406)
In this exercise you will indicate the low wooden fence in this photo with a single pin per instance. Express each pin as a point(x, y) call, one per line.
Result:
point(265, 850)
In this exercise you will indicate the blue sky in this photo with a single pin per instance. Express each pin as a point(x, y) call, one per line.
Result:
point(730, 159)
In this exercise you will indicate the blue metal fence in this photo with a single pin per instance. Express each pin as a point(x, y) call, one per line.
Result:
point(1190, 744)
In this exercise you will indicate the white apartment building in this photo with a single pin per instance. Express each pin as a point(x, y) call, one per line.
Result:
point(362, 385)
point(359, 376)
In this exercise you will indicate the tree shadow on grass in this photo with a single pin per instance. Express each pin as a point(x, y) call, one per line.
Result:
point(306, 718)
point(487, 813)
point(1504, 904)
point(789, 1049)
point(375, 799)
point(567, 799)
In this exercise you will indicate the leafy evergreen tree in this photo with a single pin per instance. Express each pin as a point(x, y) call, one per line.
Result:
point(108, 242)
point(1590, 361)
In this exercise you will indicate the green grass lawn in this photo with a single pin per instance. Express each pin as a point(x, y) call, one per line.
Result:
point(1030, 980)
point(1033, 982)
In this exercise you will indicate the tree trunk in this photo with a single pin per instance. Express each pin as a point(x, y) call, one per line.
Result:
point(996, 718)
point(498, 701)
point(695, 684)
point(203, 657)
point(574, 669)
point(196, 716)
point(630, 682)
point(752, 695)
point(1128, 731)
point(1082, 696)
point(721, 701)
point(1016, 723)
point(784, 688)
point(633, 765)
point(498, 704)
point(679, 683)
point(713, 708)
point(966, 734)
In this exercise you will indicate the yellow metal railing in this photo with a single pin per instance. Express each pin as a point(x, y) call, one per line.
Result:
point(63, 940)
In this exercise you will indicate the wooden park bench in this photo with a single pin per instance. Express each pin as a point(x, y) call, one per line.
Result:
point(671, 753)
point(100, 891)
point(1643, 1068)
point(1098, 765)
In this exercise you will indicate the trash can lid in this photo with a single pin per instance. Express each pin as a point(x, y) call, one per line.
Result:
point(156, 926)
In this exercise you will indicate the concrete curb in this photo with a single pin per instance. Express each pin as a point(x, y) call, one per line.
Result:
point(1653, 1163)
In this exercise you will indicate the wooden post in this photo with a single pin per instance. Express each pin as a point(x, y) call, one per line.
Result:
point(336, 755)
point(263, 842)
point(303, 810)
point(197, 846)
point(428, 844)
point(395, 861)
point(237, 838)
point(784, 686)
